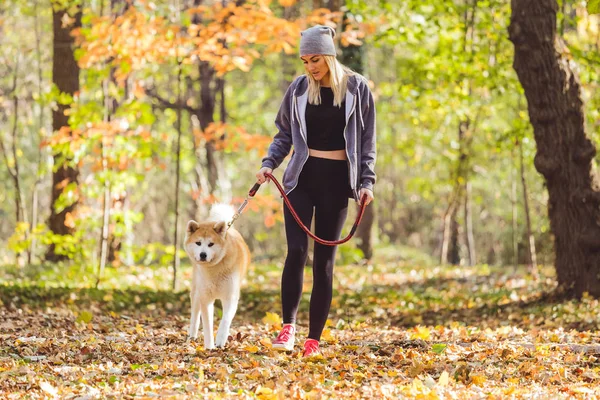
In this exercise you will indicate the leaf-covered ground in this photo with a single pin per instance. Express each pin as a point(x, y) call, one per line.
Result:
point(396, 331)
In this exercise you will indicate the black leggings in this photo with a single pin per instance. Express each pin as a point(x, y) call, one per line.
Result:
point(323, 189)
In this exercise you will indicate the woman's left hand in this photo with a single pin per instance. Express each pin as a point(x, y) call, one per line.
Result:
point(369, 194)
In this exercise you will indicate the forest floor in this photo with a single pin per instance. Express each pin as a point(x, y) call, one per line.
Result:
point(396, 330)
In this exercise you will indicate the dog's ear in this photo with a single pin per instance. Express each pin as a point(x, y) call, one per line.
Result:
point(192, 226)
point(221, 227)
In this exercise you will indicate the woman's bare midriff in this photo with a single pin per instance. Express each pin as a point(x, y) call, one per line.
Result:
point(331, 155)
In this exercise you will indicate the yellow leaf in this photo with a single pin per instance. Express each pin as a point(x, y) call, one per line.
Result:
point(251, 348)
point(421, 332)
point(85, 317)
point(326, 335)
point(266, 342)
point(272, 319)
point(478, 379)
point(443, 379)
point(265, 393)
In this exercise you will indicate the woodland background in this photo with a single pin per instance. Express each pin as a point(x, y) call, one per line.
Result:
point(120, 120)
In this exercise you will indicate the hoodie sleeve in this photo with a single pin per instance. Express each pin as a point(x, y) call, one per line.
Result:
point(368, 140)
point(282, 141)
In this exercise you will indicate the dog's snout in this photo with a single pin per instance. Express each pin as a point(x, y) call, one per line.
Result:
point(203, 256)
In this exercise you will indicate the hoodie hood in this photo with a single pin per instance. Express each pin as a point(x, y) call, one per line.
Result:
point(359, 134)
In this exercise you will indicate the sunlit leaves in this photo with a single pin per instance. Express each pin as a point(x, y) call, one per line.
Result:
point(230, 138)
point(287, 3)
point(593, 6)
point(133, 340)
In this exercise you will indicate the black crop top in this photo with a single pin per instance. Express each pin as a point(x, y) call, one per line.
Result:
point(325, 123)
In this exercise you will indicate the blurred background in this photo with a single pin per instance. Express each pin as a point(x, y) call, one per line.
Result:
point(122, 120)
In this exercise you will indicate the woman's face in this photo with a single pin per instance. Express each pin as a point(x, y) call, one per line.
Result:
point(315, 64)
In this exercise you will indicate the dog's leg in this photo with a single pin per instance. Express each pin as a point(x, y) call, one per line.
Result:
point(195, 317)
point(229, 309)
point(207, 311)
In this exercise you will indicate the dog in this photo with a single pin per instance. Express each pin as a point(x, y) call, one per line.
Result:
point(220, 259)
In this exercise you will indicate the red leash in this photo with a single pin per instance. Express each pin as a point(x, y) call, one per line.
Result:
point(363, 205)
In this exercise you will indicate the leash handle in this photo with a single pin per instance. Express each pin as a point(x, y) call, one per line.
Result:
point(254, 189)
point(317, 239)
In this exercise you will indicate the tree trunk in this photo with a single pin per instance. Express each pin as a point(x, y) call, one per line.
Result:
point(39, 164)
point(20, 215)
point(532, 259)
point(105, 218)
point(514, 212)
point(65, 75)
point(564, 151)
point(469, 237)
point(352, 57)
point(206, 117)
point(446, 224)
point(14, 171)
point(117, 9)
point(109, 108)
point(176, 259)
point(450, 244)
point(454, 253)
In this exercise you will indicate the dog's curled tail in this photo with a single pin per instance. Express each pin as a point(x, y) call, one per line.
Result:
point(221, 212)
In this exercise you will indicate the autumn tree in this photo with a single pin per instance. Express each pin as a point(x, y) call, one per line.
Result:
point(565, 153)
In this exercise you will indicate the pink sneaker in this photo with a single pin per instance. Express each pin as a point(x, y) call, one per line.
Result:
point(285, 339)
point(311, 348)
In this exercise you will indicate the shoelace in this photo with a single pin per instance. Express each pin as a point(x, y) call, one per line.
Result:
point(285, 334)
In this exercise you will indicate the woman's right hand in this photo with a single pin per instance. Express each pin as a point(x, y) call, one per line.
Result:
point(260, 175)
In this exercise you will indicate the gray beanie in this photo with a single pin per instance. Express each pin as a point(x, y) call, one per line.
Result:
point(317, 40)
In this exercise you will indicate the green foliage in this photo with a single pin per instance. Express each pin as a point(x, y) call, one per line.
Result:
point(85, 317)
point(439, 348)
point(593, 6)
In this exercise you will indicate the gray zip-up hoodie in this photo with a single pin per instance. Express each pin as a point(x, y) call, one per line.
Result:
point(359, 134)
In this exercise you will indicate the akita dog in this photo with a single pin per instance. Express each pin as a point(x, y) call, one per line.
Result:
point(220, 258)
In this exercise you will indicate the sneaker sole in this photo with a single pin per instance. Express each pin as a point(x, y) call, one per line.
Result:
point(283, 347)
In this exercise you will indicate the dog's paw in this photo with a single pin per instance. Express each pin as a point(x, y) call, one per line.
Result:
point(221, 340)
point(190, 339)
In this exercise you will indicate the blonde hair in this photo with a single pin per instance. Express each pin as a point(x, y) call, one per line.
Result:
point(338, 74)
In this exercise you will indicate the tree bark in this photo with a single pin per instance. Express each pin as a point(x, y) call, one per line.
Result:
point(65, 75)
point(564, 151)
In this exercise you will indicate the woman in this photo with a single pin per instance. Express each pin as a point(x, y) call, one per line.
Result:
point(328, 116)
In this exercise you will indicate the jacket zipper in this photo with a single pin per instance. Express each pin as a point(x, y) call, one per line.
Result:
point(346, 139)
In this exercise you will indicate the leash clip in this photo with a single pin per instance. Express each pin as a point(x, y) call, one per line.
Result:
point(241, 208)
